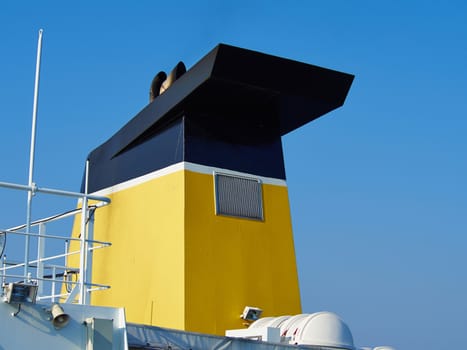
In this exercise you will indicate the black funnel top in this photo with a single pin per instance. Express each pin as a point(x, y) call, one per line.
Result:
point(229, 111)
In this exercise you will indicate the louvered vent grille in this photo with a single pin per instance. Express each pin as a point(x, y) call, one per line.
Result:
point(238, 196)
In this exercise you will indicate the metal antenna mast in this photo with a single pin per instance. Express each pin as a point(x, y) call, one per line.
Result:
point(31, 184)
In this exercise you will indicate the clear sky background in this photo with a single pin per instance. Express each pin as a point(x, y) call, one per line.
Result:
point(378, 187)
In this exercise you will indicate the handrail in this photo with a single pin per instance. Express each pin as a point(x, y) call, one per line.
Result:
point(38, 235)
point(75, 252)
point(35, 189)
point(82, 285)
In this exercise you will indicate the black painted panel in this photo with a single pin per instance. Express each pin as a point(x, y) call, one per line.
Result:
point(259, 156)
point(229, 111)
point(161, 150)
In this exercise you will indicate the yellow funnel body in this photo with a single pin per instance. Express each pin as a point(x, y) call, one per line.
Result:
point(175, 263)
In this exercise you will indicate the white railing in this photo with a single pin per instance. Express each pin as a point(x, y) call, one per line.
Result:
point(54, 278)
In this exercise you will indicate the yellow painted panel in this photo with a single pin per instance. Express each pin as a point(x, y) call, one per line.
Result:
point(145, 264)
point(174, 263)
point(233, 262)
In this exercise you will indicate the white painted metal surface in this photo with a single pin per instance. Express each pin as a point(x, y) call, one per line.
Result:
point(268, 334)
point(32, 327)
point(324, 329)
point(320, 329)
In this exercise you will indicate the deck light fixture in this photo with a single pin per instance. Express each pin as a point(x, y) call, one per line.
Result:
point(251, 313)
point(19, 292)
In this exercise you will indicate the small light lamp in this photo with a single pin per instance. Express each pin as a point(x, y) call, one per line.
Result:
point(251, 313)
point(18, 292)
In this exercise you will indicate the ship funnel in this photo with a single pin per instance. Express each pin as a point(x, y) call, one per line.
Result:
point(59, 318)
point(198, 178)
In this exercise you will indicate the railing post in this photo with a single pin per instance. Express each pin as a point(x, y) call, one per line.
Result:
point(83, 254)
point(89, 251)
point(40, 256)
point(54, 276)
point(83, 293)
point(2, 264)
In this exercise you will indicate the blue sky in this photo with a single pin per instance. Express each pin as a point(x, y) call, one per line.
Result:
point(378, 188)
